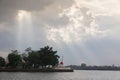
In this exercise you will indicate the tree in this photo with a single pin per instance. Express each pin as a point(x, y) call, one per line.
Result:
point(14, 59)
point(31, 58)
point(25, 61)
point(44, 57)
point(34, 59)
point(2, 62)
point(48, 57)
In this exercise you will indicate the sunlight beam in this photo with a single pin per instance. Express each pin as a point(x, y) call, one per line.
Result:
point(25, 29)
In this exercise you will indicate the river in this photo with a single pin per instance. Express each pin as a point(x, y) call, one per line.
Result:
point(76, 75)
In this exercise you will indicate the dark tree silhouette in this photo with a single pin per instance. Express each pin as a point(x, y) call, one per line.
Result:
point(25, 59)
point(45, 57)
point(14, 59)
point(2, 62)
point(48, 57)
point(34, 59)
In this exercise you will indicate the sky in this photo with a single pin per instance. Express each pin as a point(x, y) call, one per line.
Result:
point(82, 31)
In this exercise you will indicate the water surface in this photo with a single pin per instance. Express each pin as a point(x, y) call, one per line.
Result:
point(76, 75)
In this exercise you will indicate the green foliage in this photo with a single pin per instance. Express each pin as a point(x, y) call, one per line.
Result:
point(45, 57)
point(14, 59)
point(34, 59)
point(48, 56)
point(2, 62)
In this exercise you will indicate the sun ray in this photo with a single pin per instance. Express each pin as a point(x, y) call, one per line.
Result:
point(25, 29)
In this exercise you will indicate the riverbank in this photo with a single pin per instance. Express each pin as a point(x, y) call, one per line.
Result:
point(103, 68)
point(36, 70)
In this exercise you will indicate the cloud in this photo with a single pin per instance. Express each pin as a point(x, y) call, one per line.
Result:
point(82, 24)
point(110, 22)
point(25, 4)
point(86, 30)
point(41, 12)
point(9, 9)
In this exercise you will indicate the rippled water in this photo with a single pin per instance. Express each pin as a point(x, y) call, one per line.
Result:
point(76, 75)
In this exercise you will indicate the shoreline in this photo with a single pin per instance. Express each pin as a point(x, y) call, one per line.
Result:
point(36, 70)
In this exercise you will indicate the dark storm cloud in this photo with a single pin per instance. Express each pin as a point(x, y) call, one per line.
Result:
point(25, 4)
point(9, 8)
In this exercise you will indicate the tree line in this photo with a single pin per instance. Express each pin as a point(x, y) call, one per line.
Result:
point(46, 57)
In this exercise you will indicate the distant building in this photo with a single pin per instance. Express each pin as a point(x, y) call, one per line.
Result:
point(83, 65)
